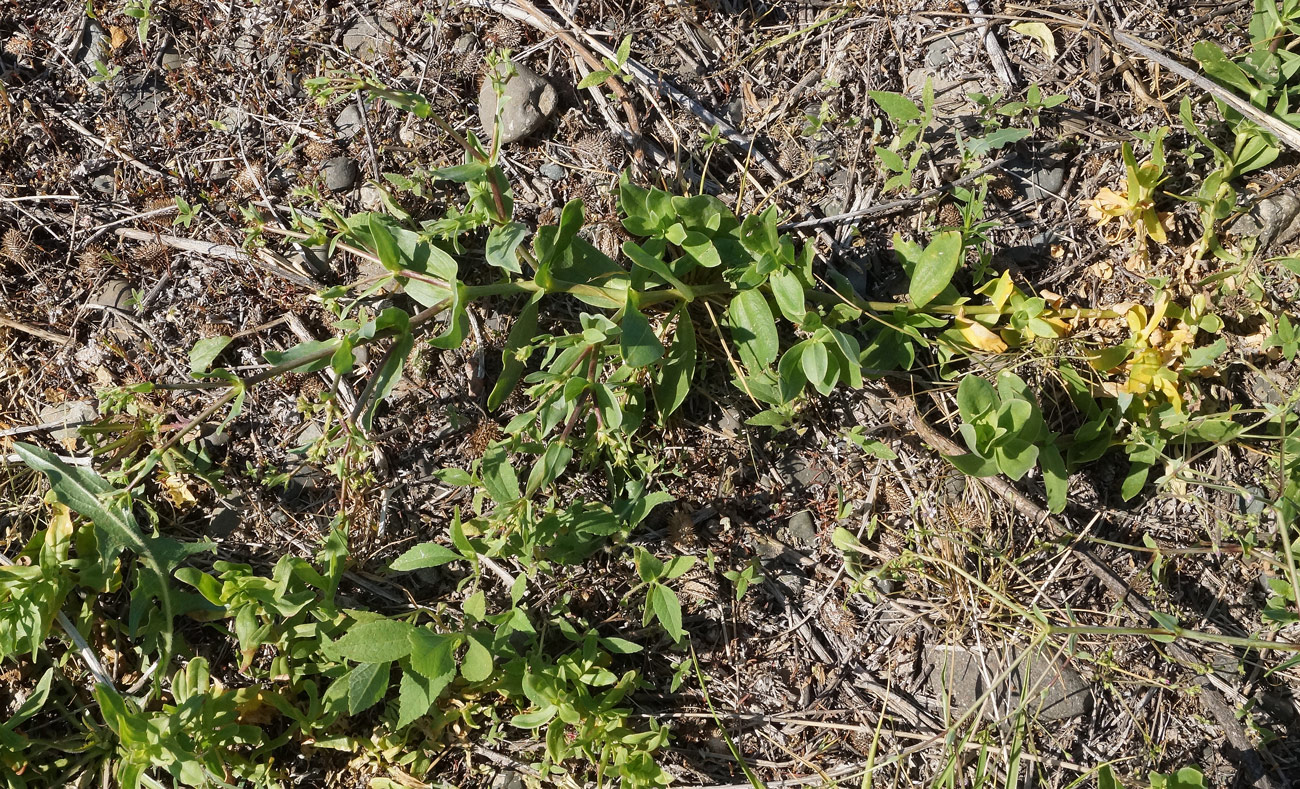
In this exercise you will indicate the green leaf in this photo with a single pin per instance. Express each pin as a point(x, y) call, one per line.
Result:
point(815, 362)
point(890, 159)
point(873, 447)
point(672, 381)
point(502, 244)
point(639, 345)
point(477, 663)
point(593, 79)
point(414, 698)
point(935, 268)
point(433, 656)
point(668, 610)
point(898, 107)
point(385, 245)
point(424, 555)
point(976, 398)
point(789, 294)
point(1056, 478)
point(302, 351)
point(535, 719)
point(516, 352)
point(376, 641)
point(548, 467)
point(973, 465)
point(678, 566)
point(754, 329)
point(367, 684)
point(205, 352)
point(88, 494)
point(499, 475)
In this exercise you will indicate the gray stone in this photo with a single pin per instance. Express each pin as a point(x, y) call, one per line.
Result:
point(140, 96)
point(340, 173)
point(171, 59)
point(69, 415)
point(1273, 220)
point(508, 779)
point(246, 49)
point(552, 171)
point(1252, 500)
point(104, 184)
point(222, 522)
point(115, 293)
point(372, 198)
point(803, 530)
point(793, 584)
point(349, 122)
point(1047, 689)
point(235, 119)
point(370, 38)
point(734, 111)
point(94, 47)
point(465, 42)
point(939, 53)
point(527, 102)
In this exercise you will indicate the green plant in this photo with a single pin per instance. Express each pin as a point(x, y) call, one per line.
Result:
point(613, 67)
point(910, 120)
point(1005, 432)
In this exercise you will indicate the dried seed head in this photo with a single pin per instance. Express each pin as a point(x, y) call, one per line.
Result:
point(600, 150)
point(292, 381)
point(1003, 188)
point(91, 259)
point(150, 255)
point(484, 434)
point(208, 329)
point(506, 34)
point(16, 245)
point(681, 530)
point(18, 45)
point(949, 215)
point(319, 150)
point(167, 205)
point(249, 178)
point(312, 387)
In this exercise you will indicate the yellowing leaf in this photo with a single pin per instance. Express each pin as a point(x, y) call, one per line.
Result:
point(1040, 33)
point(117, 37)
point(176, 489)
point(980, 336)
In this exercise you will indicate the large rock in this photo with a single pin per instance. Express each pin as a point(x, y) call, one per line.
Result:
point(1273, 220)
point(1048, 690)
point(527, 102)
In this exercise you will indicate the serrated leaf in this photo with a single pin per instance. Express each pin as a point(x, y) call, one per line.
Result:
point(432, 655)
point(668, 610)
point(413, 698)
point(367, 684)
point(425, 555)
point(376, 641)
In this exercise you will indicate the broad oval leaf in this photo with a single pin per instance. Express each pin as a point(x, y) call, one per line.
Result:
point(754, 329)
point(935, 268)
point(376, 641)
